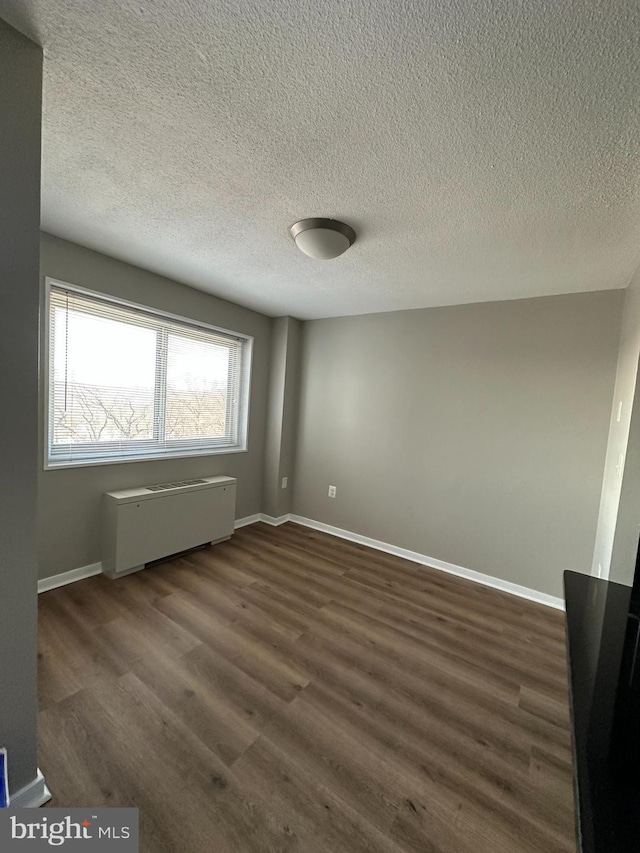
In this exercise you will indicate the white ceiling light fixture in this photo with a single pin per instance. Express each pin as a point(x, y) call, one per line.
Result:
point(322, 238)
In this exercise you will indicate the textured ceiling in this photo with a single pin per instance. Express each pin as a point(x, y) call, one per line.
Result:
point(482, 150)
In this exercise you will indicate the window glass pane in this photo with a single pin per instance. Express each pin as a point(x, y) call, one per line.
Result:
point(103, 379)
point(126, 382)
point(197, 389)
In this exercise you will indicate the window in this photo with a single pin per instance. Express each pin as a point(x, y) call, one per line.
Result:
point(126, 383)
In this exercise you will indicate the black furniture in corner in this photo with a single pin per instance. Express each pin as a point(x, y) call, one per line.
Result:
point(603, 634)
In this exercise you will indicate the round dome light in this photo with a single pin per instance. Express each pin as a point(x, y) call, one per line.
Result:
point(322, 238)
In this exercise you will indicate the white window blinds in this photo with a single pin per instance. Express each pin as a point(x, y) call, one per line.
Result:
point(127, 383)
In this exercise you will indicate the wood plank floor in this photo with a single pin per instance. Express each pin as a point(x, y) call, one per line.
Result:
point(289, 691)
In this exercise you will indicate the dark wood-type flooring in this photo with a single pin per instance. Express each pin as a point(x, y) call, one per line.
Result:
point(290, 691)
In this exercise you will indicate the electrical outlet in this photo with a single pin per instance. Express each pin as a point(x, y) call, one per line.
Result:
point(285, 482)
point(332, 491)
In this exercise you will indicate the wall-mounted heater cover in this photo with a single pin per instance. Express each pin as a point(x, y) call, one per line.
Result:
point(147, 523)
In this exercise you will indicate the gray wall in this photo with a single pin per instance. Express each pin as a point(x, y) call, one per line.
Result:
point(20, 109)
point(474, 434)
point(69, 499)
point(627, 521)
point(622, 446)
point(290, 415)
point(275, 406)
point(282, 415)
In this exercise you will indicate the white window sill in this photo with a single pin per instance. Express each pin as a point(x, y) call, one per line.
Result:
point(87, 462)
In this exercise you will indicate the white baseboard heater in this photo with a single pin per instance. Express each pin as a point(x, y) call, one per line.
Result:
point(151, 522)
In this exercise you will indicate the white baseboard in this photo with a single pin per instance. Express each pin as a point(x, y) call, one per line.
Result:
point(450, 568)
point(32, 795)
point(249, 519)
point(275, 522)
point(260, 516)
point(83, 572)
point(470, 574)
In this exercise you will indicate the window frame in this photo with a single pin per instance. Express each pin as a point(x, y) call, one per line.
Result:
point(181, 447)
